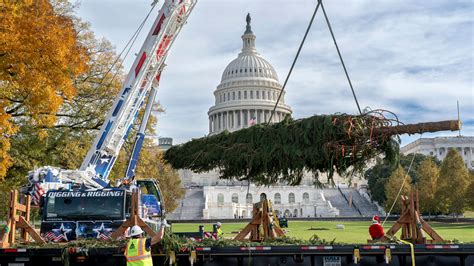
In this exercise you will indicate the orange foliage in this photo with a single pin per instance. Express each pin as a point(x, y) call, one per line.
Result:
point(39, 57)
point(5, 130)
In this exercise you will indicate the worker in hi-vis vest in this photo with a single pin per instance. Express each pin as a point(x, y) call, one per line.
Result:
point(138, 249)
point(220, 233)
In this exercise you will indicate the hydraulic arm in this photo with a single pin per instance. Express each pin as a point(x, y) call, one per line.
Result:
point(142, 80)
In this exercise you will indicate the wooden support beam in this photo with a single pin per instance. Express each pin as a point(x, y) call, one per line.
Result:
point(21, 208)
point(27, 204)
point(253, 224)
point(411, 223)
point(431, 232)
point(278, 231)
point(133, 220)
point(13, 217)
point(394, 229)
point(18, 218)
point(29, 230)
point(243, 234)
point(262, 226)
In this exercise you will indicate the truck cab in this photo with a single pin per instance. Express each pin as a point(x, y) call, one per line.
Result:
point(151, 198)
point(77, 214)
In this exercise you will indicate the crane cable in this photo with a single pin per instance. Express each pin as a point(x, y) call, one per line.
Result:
point(294, 60)
point(127, 47)
point(340, 57)
point(320, 3)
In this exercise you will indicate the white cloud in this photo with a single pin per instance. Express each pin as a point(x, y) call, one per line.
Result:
point(415, 60)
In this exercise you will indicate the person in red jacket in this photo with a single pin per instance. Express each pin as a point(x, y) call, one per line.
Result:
point(376, 229)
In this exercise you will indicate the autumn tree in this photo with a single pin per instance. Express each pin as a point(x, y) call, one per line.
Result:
point(453, 184)
point(378, 175)
point(470, 192)
point(398, 178)
point(39, 57)
point(78, 119)
point(66, 141)
point(427, 186)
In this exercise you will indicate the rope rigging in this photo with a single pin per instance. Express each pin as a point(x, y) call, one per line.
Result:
point(340, 57)
point(320, 3)
point(294, 60)
point(401, 186)
point(128, 47)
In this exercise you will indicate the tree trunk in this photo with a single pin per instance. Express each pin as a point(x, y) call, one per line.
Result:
point(420, 128)
point(429, 216)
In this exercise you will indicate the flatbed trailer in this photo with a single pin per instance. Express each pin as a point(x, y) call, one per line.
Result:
point(367, 254)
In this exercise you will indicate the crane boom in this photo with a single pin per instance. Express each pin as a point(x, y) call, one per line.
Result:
point(142, 78)
point(140, 138)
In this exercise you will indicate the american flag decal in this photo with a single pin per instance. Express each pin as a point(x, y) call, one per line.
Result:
point(49, 236)
point(36, 193)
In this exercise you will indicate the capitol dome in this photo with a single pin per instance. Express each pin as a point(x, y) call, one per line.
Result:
point(248, 91)
point(250, 65)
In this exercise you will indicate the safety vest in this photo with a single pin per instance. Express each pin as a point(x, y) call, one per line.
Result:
point(136, 253)
point(219, 232)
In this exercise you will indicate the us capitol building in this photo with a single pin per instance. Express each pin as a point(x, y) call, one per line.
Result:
point(246, 95)
point(248, 91)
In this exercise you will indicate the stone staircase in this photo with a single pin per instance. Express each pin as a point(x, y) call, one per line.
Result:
point(366, 207)
point(190, 207)
point(338, 201)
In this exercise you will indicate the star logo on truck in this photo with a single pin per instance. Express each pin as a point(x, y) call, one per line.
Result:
point(103, 232)
point(61, 233)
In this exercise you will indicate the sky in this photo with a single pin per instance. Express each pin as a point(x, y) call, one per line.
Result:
point(412, 58)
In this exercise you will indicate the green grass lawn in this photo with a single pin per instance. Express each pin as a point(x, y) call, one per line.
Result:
point(353, 232)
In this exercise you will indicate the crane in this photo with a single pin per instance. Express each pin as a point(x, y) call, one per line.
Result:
point(142, 81)
point(81, 203)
